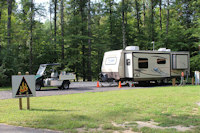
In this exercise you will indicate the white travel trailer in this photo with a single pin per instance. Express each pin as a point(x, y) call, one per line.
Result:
point(137, 65)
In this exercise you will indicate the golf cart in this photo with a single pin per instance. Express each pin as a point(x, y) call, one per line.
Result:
point(47, 76)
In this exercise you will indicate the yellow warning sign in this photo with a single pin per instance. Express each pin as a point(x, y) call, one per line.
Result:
point(24, 89)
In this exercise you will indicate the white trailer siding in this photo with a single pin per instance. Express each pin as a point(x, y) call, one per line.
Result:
point(180, 62)
point(128, 65)
point(113, 64)
point(144, 65)
point(151, 65)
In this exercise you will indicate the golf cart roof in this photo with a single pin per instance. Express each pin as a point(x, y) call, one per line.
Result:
point(42, 68)
point(51, 64)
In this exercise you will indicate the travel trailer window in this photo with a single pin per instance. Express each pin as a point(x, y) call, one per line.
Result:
point(161, 61)
point(111, 60)
point(143, 63)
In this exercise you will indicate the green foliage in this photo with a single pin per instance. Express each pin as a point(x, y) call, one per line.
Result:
point(3, 76)
point(106, 29)
point(195, 63)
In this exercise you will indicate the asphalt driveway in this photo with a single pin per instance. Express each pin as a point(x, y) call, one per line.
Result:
point(75, 87)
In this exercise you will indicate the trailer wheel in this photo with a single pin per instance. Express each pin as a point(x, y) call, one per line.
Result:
point(130, 84)
point(144, 83)
point(65, 85)
point(37, 87)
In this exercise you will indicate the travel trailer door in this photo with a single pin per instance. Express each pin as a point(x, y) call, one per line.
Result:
point(128, 65)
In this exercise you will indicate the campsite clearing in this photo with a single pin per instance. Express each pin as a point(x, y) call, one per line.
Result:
point(166, 106)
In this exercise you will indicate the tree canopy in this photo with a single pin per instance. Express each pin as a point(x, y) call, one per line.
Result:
point(80, 31)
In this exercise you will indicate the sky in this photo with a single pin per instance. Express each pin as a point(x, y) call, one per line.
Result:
point(45, 3)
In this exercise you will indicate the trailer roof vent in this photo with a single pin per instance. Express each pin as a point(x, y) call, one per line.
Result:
point(164, 49)
point(135, 48)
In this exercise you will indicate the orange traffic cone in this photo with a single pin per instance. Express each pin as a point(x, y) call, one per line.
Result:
point(98, 84)
point(120, 86)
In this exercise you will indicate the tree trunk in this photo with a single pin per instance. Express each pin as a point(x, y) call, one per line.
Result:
point(137, 15)
point(126, 23)
point(50, 12)
point(160, 5)
point(126, 19)
point(9, 2)
point(62, 29)
point(123, 26)
point(144, 12)
point(82, 33)
point(31, 39)
point(0, 37)
point(110, 17)
point(55, 28)
point(89, 43)
point(167, 25)
point(99, 50)
point(0, 16)
point(152, 20)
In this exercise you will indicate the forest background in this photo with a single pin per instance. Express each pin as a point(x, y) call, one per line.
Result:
point(80, 31)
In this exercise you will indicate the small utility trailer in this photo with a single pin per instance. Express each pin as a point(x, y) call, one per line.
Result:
point(132, 64)
point(47, 77)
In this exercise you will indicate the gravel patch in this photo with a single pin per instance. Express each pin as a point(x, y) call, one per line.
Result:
point(4, 128)
point(152, 124)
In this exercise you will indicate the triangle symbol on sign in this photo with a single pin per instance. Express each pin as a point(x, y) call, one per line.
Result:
point(23, 89)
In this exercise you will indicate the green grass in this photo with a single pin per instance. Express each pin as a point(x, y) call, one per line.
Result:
point(169, 106)
point(5, 88)
point(10, 88)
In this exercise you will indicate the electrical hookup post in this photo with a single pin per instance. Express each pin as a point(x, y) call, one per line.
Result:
point(197, 77)
point(23, 86)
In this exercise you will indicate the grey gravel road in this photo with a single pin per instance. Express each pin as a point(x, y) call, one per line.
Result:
point(4, 128)
point(75, 87)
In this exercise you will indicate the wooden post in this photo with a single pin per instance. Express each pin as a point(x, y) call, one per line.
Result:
point(192, 80)
point(28, 99)
point(173, 81)
point(20, 99)
point(20, 103)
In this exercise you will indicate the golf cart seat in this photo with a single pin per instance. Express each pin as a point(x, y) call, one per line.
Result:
point(54, 75)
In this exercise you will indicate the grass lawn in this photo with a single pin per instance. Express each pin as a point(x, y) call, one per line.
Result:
point(96, 112)
point(5, 88)
point(10, 88)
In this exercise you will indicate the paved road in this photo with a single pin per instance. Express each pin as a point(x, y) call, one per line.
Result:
point(75, 87)
point(4, 128)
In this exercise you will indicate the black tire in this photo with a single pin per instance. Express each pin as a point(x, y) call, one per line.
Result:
point(144, 83)
point(37, 87)
point(60, 88)
point(65, 85)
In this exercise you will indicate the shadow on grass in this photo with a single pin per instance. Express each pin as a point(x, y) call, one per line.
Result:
point(65, 122)
point(53, 110)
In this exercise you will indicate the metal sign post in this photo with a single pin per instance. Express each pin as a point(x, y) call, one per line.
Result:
point(23, 86)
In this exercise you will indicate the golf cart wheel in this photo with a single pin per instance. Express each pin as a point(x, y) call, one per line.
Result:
point(37, 87)
point(60, 88)
point(65, 85)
